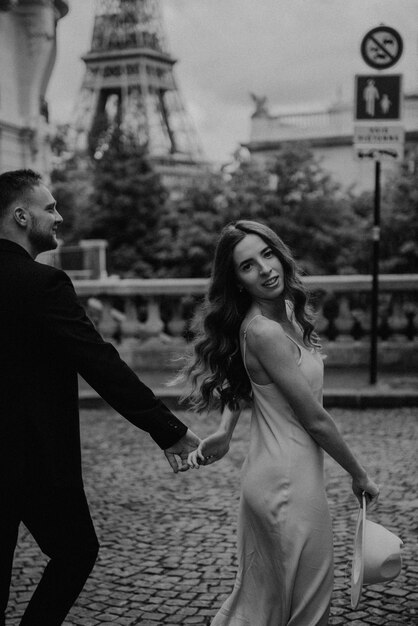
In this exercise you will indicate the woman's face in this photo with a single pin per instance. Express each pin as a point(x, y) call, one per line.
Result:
point(257, 268)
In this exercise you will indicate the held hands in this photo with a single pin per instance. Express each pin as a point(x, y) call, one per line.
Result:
point(182, 449)
point(210, 450)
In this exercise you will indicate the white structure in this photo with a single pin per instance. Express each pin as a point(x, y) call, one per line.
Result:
point(27, 57)
point(330, 136)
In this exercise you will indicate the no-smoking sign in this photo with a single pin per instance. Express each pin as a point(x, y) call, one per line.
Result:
point(381, 47)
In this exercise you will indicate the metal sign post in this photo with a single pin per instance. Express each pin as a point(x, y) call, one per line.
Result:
point(375, 277)
point(378, 100)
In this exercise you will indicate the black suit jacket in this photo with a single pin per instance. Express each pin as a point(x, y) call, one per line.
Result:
point(45, 340)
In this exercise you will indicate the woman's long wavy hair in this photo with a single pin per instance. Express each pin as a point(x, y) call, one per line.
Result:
point(215, 368)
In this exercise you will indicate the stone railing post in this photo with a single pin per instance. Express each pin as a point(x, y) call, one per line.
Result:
point(344, 321)
point(154, 325)
point(130, 326)
point(177, 323)
point(397, 322)
point(107, 325)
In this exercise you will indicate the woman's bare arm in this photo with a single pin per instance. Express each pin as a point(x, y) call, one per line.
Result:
point(269, 344)
point(215, 446)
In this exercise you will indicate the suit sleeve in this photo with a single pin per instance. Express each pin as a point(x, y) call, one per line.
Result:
point(100, 365)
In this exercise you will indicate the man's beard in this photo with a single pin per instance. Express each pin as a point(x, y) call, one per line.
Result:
point(41, 241)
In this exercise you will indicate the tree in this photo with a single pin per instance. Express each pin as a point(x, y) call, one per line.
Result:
point(126, 205)
point(189, 228)
point(293, 195)
point(307, 209)
point(71, 186)
point(398, 221)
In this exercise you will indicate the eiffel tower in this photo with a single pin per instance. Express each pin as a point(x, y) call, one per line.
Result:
point(129, 81)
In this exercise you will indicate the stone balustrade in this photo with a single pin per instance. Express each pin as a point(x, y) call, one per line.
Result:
point(149, 319)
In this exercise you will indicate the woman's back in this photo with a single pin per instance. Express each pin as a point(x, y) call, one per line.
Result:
point(271, 410)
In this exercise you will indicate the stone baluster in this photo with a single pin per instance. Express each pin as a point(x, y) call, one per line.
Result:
point(361, 325)
point(344, 321)
point(108, 326)
point(93, 308)
point(130, 331)
point(177, 324)
point(154, 325)
point(398, 323)
point(361, 317)
point(330, 312)
point(383, 315)
point(410, 313)
point(131, 328)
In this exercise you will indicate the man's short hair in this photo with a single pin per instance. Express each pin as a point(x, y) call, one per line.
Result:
point(15, 185)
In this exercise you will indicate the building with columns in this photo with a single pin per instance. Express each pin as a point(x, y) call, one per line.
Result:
point(27, 56)
point(329, 133)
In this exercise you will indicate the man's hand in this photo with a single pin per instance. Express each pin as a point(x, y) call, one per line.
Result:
point(181, 449)
point(210, 450)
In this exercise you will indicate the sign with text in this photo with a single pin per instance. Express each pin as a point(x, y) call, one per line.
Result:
point(378, 97)
point(379, 141)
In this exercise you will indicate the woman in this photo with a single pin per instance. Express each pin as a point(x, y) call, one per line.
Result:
point(257, 344)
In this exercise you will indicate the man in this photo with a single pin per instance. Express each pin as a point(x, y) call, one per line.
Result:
point(45, 340)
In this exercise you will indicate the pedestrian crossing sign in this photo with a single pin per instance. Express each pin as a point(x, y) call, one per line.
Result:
point(378, 97)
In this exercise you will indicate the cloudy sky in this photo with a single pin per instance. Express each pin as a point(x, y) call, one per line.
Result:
point(298, 53)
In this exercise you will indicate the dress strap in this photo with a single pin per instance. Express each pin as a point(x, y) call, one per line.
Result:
point(297, 345)
point(244, 344)
point(250, 322)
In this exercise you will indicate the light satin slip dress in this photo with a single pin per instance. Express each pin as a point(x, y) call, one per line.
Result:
point(285, 542)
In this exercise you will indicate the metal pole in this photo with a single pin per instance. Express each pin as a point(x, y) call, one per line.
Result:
point(375, 277)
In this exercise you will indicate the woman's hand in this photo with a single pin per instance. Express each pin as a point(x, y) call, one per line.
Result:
point(369, 487)
point(209, 450)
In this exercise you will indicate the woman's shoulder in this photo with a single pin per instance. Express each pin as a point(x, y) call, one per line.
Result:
point(260, 329)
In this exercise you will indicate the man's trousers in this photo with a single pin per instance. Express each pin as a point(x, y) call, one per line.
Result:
point(60, 523)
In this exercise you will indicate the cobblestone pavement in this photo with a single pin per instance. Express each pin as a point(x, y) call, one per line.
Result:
point(168, 541)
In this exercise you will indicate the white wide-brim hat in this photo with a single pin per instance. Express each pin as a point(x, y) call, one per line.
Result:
point(376, 555)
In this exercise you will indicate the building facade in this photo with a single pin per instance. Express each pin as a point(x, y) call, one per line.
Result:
point(330, 135)
point(27, 56)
